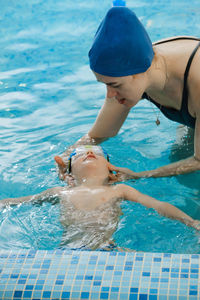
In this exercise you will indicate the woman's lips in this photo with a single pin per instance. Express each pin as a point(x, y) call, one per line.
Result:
point(121, 101)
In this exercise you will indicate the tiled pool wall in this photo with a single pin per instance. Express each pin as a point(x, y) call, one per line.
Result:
point(71, 274)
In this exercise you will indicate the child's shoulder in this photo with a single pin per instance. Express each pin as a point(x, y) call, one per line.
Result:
point(119, 186)
point(119, 189)
point(122, 190)
point(56, 190)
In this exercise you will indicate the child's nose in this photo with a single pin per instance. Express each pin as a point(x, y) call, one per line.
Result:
point(90, 152)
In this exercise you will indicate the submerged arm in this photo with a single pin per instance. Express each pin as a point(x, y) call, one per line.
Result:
point(184, 166)
point(162, 208)
point(43, 196)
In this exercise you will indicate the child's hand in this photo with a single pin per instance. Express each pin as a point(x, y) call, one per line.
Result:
point(123, 173)
point(61, 166)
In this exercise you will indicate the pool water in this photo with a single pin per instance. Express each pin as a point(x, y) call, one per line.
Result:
point(49, 98)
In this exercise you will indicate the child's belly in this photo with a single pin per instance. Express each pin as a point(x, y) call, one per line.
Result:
point(89, 229)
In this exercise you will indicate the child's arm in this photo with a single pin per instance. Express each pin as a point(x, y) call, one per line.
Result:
point(35, 198)
point(162, 208)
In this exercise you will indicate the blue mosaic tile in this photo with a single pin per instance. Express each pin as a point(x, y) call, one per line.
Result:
point(85, 295)
point(142, 296)
point(165, 269)
point(133, 297)
point(139, 259)
point(134, 290)
point(157, 259)
point(127, 268)
point(183, 292)
point(65, 294)
point(146, 274)
point(153, 297)
point(105, 289)
point(104, 295)
point(5, 276)
point(8, 294)
point(153, 291)
point(184, 275)
point(101, 276)
point(193, 275)
point(184, 270)
point(193, 293)
point(95, 296)
point(163, 297)
point(27, 294)
point(17, 294)
point(46, 294)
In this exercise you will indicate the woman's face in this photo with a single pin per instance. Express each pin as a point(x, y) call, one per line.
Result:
point(128, 90)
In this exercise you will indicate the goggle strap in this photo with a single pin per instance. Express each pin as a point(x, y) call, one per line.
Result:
point(72, 154)
point(70, 165)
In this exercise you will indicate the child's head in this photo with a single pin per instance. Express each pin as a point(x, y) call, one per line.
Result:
point(87, 162)
point(84, 156)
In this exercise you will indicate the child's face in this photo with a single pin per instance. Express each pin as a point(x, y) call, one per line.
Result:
point(89, 163)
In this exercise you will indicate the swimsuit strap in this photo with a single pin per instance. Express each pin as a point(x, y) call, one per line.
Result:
point(176, 39)
point(185, 88)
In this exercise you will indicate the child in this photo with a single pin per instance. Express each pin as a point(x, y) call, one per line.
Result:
point(90, 207)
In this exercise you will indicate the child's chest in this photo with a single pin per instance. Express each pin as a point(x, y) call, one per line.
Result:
point(91, 199)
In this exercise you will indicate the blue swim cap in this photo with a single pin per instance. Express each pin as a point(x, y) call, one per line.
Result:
point(121, 45)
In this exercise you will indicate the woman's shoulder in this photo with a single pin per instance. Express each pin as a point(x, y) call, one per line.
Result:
point(176, 38)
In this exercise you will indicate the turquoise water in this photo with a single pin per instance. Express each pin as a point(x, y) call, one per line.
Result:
point(49, 98)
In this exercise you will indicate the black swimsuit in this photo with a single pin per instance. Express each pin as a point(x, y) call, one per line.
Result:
point(181, 116)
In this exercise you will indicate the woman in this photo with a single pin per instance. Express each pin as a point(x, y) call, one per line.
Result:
point(166, 73)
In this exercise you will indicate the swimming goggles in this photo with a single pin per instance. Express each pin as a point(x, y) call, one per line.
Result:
point(81, 150)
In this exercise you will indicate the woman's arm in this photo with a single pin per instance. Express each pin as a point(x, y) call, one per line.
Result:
point(34, 198)
point(181, 167)
point(162, 208)
point(109, 121)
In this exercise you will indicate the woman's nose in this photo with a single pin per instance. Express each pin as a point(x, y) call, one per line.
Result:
point(111, 92)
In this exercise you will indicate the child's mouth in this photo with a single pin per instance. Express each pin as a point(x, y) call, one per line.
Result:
point(90, 156)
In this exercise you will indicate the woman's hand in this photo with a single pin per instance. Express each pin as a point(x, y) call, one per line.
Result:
point(124, 173)
point(62, 167)
point(196, 224)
